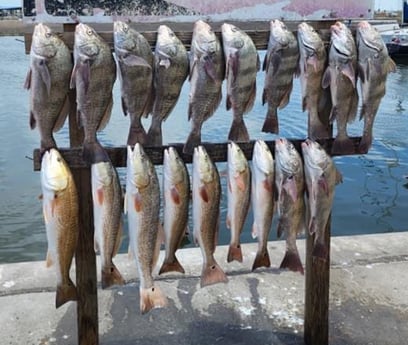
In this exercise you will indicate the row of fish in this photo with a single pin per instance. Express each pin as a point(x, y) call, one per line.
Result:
point(151, 83)
point(280, 181)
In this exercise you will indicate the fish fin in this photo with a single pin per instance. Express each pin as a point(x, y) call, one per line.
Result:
point(292, 262)
point(238, 131)
point(84, 68)
point(234, 253)
point(313, 61)
point(166, 62)
point(350, 73)
point(27, 82)
point(193, 140)
point(111, 276)
point(285, 99)
point(97, 247)
point(342, 146)
point(209, 68)
point(72, 82)
point(62, 115)
point(320, 250)
point(234, 60)
point(33, 121)
point(326, 78)
point(46, 213)
point(137, 202)
point(65, 292)
point(135, 61)
point(261, 260)
point(204, 194)
point(390, 65)
point(254, 231)
point(171, 266)
point(268, 185)
point(322, 183)
point(49, 260)
point(212, 274)
point(271, 124)
point(152, 298)
point(106, 116)
point(99, 197)
point(351, 116)
point(239, 180)
point(251, 99)
point(159, 241)
point(45, 75)
point(339, 177)
point(290, 187)
point(175, 195)
point(361, 72)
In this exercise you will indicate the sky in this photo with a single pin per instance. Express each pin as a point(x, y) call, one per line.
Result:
point(388, 5)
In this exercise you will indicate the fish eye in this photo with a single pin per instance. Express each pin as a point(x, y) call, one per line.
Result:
point(48, 34)
point(89, 32)
point(58, 159)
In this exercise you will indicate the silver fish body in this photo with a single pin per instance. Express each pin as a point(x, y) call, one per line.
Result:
point(242, 65)
point(280, 66)
point(60, 210)
point(48, 83)
point(170, 72)
point(374, 64)
point(312, 64)
point(107, 208)
point(238, 196)
point(176, 197)
point(321, 177)
point(93, 77)
point(142, 205)
point(262, 198)
point(207, 71)
point(290, 184)
point(135, 62)
point(206, 193)
point(341, 75)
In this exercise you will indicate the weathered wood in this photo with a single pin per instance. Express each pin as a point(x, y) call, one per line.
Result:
point(317, 287)
point(85, 261)
point(217, 152)
point(258, 31)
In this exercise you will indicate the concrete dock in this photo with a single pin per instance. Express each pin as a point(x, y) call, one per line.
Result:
point(368, 300)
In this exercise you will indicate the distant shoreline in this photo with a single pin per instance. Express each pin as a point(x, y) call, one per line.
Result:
point(11, 27)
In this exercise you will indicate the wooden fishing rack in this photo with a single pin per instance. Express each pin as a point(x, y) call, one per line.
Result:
point(316, 312)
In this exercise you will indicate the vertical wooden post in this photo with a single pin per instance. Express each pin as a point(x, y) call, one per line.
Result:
point(85, 260)
point(316, 326)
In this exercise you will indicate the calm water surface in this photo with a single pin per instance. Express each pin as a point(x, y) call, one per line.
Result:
point(372, 199)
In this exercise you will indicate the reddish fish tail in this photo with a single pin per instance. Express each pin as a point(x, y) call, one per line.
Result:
point(137, 135)
point(292, 262)
point(365, 143)
point(212, 274)
point(193, 140)
point(271, 124)
point(320, 251)
point(65, 293)
point(342, 146)
point(154, 135)
point(151, 298)
point(238, 131)
point(261, 260)
point(111, 276)
point(234, 253)
point(171, 266)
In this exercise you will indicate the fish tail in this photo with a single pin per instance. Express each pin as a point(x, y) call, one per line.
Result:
point(93, 152)
point(152, 298)
point(65, 292)
point(320, 250)
point(238, 131)
point(261, 260)
point(292, 262)
point(47, 144)
point(271, 124)
point(193, 140)
point(171, 266)
point(343, 146)
point(154, 134)
point(111, 276)
point(365, 143)
point(137, 135)
point(212, 274)
point(234, 253)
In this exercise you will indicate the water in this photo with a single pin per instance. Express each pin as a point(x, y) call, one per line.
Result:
point(372, 199)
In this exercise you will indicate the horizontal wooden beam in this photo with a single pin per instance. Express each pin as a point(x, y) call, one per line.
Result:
point(217, 152)
point(257, 30)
